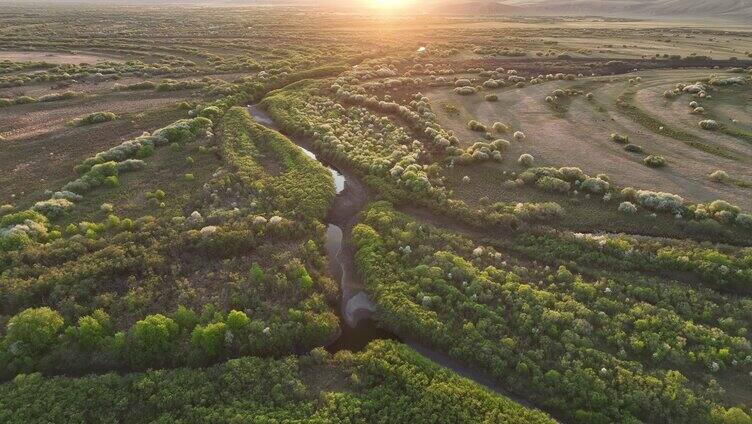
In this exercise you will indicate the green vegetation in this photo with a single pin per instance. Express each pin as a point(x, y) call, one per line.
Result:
point(93, 118)
point(386, 382)
point(555, 207)
point(546, 331)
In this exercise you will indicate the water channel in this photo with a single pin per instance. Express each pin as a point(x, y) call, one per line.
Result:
point(356, 309)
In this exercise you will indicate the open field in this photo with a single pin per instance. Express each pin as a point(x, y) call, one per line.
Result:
point(578, 134)
point(295, 214)
point(52, 57)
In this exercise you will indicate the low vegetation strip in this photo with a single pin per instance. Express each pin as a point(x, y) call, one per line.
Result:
point(304, 187)
point(387, 382)
point(570, 344)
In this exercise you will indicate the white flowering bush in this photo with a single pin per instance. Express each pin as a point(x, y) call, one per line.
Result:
point(628, 208)
point(21, 228)
point(53, 208)
point(595, 185)
point(501, 127)
point(709, 125)
point(654, 161)
point(719, 176)
point(526, 160)
point(553, 185)
point(538, 211)
point(659, 201)
point(67, 195)
point(465, 91)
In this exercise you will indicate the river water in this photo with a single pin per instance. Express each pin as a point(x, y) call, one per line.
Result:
point(356, 310)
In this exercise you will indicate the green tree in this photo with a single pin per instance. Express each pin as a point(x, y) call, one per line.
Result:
point(237, 320)
point(210, 338)
point(37, 329)
point(91, 329)
point(153, 338)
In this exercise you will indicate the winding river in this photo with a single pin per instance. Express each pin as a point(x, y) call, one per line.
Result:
point(356, 309)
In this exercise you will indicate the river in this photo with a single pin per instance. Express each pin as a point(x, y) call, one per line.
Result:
point(356, 309)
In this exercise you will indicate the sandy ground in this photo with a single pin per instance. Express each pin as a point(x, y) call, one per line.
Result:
point(581, 138)
point(37, 119)
point(40, 151)
point(100, 86)
point(55, 57)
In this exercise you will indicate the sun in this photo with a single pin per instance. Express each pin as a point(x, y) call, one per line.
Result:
point(389, 4)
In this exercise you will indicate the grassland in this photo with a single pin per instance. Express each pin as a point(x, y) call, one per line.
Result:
point(558, 208)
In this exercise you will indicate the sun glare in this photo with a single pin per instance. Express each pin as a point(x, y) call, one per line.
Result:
point(389, 4)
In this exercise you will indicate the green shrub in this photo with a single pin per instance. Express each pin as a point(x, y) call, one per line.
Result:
point(153, 339)
point(476, 126)
point(553, 185)
point(94, 118)
point(618, 138)
point(526, 160)
point(719, 176)
point(595, 185)
point(709, 125)
point(237, 320)
point(36, 329)
point(212, 112)
point(633, 148)
point(92, 329)
point(112, 181)
point(655, 161)
point(210, 338)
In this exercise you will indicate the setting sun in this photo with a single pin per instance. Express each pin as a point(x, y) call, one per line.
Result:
point(389, 4)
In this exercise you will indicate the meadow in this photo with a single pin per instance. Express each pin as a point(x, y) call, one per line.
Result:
point(265, 214)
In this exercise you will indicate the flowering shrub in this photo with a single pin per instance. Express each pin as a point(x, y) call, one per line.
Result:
point(94, 118)
point(526, 160)
point(655, 161)
point(709, 125)
point(553, 185)
point(719, 176)
point(500, 127)
point(612, 325)
point(53, 208)
point(657, 201)
point(595, 185)
point(465, 91)
point(628, 208)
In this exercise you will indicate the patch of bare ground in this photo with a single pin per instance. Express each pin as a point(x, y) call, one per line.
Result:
point(582, 138)
point(530, 66)
point(94, 85)
point(56, 57)
point(37, 119)
point(35, 163)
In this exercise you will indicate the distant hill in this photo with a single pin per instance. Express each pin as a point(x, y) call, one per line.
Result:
point(731, 9)
point(478, 8)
